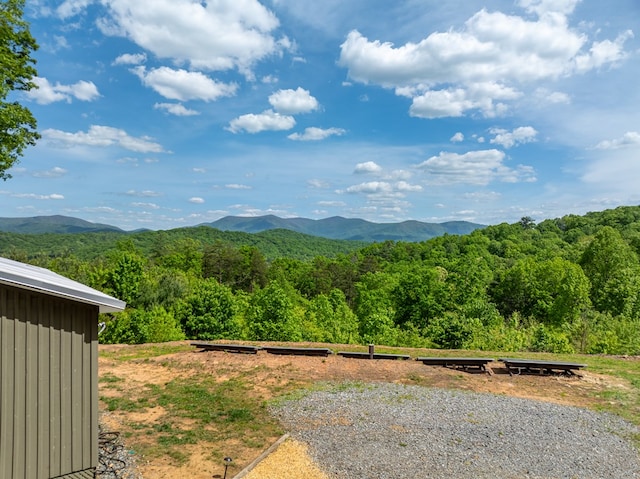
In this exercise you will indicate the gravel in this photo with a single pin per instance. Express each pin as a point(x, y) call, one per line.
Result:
point(395, 431)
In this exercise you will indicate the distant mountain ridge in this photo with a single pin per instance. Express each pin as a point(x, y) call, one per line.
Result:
point(335, 227)
point(338, 227)
point(52, 224)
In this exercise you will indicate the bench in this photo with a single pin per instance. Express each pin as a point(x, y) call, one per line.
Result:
point(533, 366)
point(298, 351)
point(356, 355)
point(228, 348)
point(456, 363)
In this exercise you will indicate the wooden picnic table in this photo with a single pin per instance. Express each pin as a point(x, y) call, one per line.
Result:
point(228, 348)
point(464, 363)
point(535, 366)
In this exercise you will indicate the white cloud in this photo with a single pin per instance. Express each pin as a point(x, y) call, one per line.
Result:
point(46, 93)
point(183, 85)
point(456, 102)
point(603, 53)
point(33, 196)
point(543, 94)
point(629, 139)
point(458, 137)
point(130, 59)
point(55, 172)
point(368, 167)
point(548, 7)
point(196, 200)
point(236, 186)
point(384, 188)
point(143, 194)
point(292, 102)
point(482, 64)
point(69, 8)
point(474, 167)
point(267, 120)
point(177, 109)
point(102, 136)
point(317, 183)
point(508, 139)
point(313, 133)
point(205, 35)
point(139, 204)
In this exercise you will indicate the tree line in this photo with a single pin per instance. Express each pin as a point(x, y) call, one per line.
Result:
point(564, 285)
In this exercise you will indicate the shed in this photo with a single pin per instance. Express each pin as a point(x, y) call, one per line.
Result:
point(48, 373)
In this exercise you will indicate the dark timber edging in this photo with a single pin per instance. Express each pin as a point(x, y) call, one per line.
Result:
point(356, 355)
point(298, 351)
point(228, 348)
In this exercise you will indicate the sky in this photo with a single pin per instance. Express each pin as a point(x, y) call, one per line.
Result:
point(162, 114)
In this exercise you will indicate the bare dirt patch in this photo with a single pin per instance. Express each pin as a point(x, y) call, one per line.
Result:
point(271, 376)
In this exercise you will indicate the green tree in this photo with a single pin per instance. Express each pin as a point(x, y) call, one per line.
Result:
point(123, 280)
point(209, 312)
point(17, 123)
point(614, 271)
point(553, 292)
point(271, 316)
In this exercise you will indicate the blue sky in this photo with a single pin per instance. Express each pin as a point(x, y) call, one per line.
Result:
point(168, 113)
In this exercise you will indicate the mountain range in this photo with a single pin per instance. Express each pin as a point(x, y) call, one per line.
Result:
point(333, 228)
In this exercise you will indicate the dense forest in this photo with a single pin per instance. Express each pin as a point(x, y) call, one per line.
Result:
point(563, 285)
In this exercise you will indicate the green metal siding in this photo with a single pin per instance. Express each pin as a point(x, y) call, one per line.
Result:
point(48, 386)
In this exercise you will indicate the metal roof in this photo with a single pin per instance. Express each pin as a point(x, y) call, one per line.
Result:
point(43, 280)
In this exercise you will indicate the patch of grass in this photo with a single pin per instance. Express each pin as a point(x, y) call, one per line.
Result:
point(125, 404)
point(145, 351)
point(197, 410)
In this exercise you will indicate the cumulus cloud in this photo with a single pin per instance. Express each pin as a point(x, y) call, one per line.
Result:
point(458, 137)
point(383, 188)
point(508, 139)
point(130, 59)
point(204, 35)
point(177, 109)
point(267, 120)
point(292, 102)
point(454, 102)
point(196, 200)
point(101, 136)
point(368, 167)
point(483, 64)
point(629, 139)
point(313, 134)
point(236, 186)
point(183, 85)
point(47, 93)
point(474, 167)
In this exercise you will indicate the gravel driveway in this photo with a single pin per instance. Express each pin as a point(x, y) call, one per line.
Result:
point(395, 431)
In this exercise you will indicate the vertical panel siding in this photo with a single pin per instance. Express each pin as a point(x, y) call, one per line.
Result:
point(6, 386)
point(48, 387)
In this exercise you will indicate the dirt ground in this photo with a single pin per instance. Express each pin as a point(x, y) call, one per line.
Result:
point(269, 371)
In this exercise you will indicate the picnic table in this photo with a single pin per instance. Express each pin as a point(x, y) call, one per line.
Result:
point(228, 348)
point(534, 366)
point(456, 363)
point(298, 351)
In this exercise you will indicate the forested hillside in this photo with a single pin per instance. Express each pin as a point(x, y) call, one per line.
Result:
point(95, 245)
point(565, 285)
